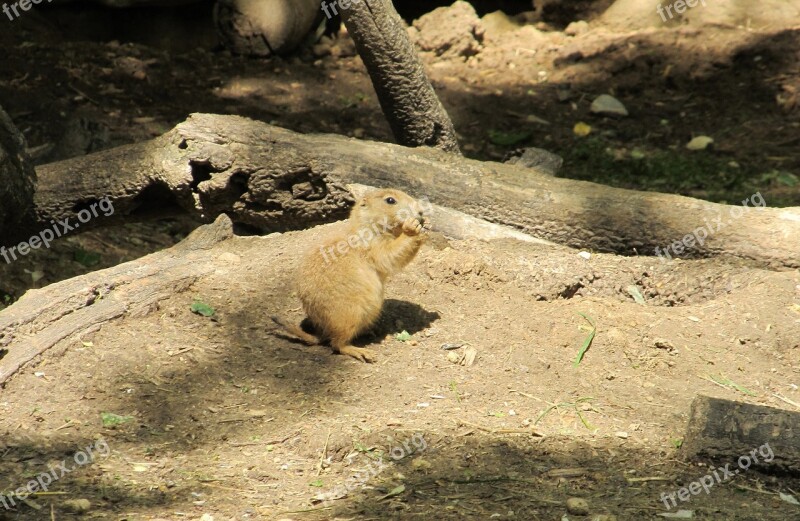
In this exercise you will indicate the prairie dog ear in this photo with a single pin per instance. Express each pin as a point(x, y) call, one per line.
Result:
point(362, 202)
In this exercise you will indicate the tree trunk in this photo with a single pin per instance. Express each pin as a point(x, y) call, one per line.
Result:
point(725, 430)
point(271, 179)
point(17, 176)
point(408, 100)
point(265, 27)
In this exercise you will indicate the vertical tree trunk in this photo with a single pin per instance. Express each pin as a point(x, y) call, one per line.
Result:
point(407, 98)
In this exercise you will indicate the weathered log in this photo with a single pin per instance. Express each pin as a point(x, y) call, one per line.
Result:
point(271, 179)
point(409, 103)
point(748, 435)
point(44, 317)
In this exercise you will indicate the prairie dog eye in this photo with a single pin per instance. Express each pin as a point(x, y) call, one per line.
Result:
point(391, 200)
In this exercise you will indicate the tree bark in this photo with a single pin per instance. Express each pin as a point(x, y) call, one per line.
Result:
point(725, 430)
point(271, 179)
point(414, 112)
point(17, 176)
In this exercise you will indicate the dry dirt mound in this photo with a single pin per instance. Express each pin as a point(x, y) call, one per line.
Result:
point(219, 417)
point(760, 15)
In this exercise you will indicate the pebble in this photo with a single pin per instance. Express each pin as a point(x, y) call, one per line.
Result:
point(609, 106)
point(577, 506)
point(699, 143)
point(77, 506)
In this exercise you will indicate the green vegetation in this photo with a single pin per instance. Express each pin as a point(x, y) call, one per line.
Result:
point(702, 174)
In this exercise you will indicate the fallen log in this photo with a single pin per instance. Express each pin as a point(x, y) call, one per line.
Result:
point(44, 317)
point(744, 434)
point(271, 179)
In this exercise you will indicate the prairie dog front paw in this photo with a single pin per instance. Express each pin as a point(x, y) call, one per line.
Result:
point(412, 226)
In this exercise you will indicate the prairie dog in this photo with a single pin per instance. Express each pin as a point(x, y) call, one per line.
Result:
point(341, 282)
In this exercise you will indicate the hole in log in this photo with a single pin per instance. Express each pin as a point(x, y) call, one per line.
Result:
point(201, 171)
point(239, 184)
point(245, 230)
point(155, 199)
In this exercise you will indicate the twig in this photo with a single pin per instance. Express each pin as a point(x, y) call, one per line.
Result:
point(245, 418)
point(743, 487)
point(66, 425)
point(787, 400)
point(324, 453)
point(83, 94)
point(273, 442)
point(306, 510)
point(502, 431)
point(714, 382)
point(646, 479)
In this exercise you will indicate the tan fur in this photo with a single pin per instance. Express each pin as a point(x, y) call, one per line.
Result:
point(342, 288)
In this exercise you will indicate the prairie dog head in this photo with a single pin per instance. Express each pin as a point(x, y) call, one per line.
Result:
point(388, 208)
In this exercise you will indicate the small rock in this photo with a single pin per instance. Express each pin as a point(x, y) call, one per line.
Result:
point(604, 517)
point(582, 129)
point(77, 506)
point(621, 434)
point(455, 357)
point(577, 506)
point(537, 158)
point(207, 517)
point(662, 343)
point(498, 22)
point(576, 28)
point(420, 464)
point(449, 32)
point(699, 143)
point(585, 255)
point(608, 106)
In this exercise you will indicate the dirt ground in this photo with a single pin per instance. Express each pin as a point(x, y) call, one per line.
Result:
point(216, 418)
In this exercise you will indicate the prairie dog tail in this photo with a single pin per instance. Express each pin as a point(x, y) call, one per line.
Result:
point(295, 331)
